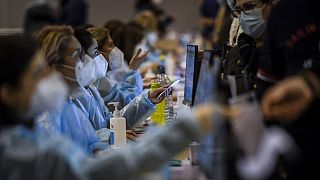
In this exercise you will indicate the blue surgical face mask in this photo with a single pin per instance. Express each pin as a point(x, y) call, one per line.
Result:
point(252, 23)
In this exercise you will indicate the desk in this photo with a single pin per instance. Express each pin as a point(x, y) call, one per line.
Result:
point(186, 171)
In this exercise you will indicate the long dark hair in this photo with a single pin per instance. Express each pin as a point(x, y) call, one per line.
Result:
point(84, 37)
point(16, 53)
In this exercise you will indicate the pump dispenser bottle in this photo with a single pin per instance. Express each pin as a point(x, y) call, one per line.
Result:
point(117, 127)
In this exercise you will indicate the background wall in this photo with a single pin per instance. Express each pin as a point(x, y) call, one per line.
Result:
point(185, 12)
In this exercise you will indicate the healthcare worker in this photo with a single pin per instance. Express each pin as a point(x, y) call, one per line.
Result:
point(94, 116)
point(63, 52)
point(121, 84)
point(136, 111)
point(27, 152)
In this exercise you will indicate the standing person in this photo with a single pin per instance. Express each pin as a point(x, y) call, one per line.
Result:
point(292, 47)
point(208, 12)
point(163, 19)
point(73, 12)
point(37, 15)
point(242, 58)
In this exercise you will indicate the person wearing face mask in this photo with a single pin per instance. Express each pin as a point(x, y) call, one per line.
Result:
point(148, 21)
point(28, 152)
point(29, 87)
point(64, 53)
point(250, 18)
point(123, 85)
point(292, 52)
point(137, 110)
point(91, 99)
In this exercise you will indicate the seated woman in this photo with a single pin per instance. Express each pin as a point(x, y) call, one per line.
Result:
point(28, 152)
point(122, 83)
point(88, 99)
point(140, 108)
point(63, 52)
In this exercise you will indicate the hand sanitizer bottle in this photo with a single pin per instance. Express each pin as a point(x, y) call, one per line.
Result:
point(117, 127)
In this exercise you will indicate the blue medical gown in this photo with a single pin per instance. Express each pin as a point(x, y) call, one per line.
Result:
point(73, 123)
point(139, 109)
point(34, 154)
point(91, 102)
point(123, 91)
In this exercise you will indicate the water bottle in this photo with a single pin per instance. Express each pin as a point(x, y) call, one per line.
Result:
point(169, 112)
point(158, 117)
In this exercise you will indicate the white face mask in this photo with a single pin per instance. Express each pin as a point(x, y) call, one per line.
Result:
point(152, 38)
point(85, 72)
point(49, 95)
point(252, 23)
point(102, 66)
point(88, 73)
point(116, 58)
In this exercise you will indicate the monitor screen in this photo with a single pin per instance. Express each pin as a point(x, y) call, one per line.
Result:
point(207, 82)
point(212, 151)
point(189, 89)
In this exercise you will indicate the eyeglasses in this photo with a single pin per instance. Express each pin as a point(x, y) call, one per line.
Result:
point(97, 52)
point(246, 8)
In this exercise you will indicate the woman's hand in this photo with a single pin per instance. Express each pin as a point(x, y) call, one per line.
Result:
point(153, 95)
point(131, 135)
point(290, 98)
point(148, 81)
point(287, 100)
point(137, 59)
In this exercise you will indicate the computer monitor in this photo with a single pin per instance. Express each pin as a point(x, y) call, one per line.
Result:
point(208, 77)
point(212, 153)
point(192, 74)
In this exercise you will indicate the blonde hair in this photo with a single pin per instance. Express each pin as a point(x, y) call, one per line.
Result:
point(53, 41)
point(147, 20)
point(101, 34)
